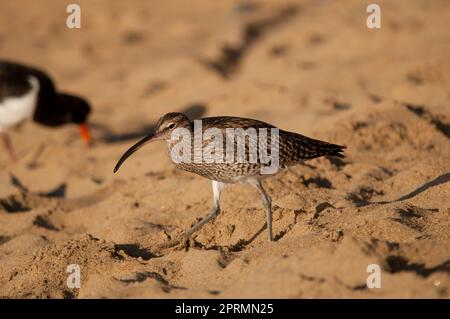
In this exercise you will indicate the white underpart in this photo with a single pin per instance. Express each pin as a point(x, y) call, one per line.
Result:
point(217, 189)
point(14, 110)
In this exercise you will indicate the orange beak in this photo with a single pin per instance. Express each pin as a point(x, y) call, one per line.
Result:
point(85, 134)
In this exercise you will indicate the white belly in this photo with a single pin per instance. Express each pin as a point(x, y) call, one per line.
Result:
point(14, 110)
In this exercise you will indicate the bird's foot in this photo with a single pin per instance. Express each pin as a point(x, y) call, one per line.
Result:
point(181, 243)
point(185, 242)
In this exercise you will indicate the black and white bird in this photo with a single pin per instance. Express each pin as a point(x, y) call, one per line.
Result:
point(29, 93)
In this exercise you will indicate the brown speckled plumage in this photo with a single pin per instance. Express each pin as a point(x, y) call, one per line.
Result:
point(293, 149)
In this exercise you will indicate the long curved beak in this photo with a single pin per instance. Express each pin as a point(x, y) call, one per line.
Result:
point(85, 134)
point(149, 138)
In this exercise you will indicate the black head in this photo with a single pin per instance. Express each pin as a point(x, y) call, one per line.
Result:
point(76, 109)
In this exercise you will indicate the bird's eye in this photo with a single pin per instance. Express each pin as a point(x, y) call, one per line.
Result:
point(171, 125)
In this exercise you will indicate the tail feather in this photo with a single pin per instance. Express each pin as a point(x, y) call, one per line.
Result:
point(302, 148)
point(321, 148)
point(333, 150)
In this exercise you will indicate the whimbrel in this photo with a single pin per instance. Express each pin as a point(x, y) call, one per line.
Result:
point(26, 92)
point(290, 148)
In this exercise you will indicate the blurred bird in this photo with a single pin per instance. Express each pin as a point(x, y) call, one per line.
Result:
point(29, 93)
point(292, 149)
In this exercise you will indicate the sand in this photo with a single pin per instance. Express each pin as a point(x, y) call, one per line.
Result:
point(314, 68)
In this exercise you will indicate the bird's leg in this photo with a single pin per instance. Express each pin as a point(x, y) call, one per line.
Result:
point(267, 204)
point(184, 238)
point(217, 188)
point(8, 145)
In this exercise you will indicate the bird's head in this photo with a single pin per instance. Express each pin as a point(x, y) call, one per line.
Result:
point(76, 110)
point(168, 123)
point(163, 131)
